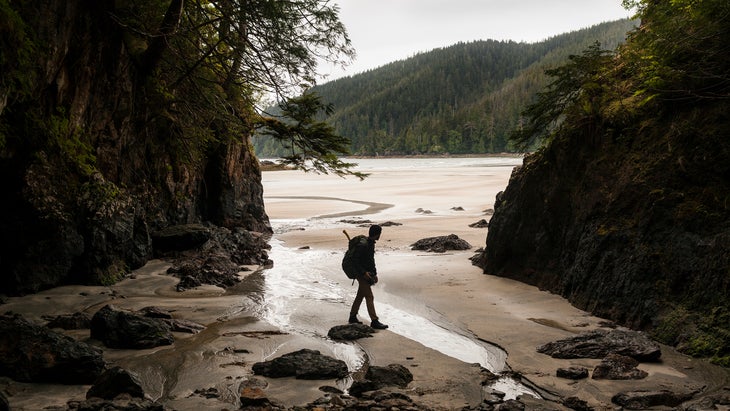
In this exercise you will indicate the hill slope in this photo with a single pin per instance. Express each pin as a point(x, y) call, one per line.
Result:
point(465, 98)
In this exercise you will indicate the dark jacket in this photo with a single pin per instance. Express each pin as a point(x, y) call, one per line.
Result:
point(364, 257)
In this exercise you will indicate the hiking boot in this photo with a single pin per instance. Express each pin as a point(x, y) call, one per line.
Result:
point(353, 320)
point(378, 325)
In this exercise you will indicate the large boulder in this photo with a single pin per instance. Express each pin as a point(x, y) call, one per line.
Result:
point(441, 244)
point(600, 343)
point(116, 381)
point(124, 329)
point(303, 364)
point(31, 353)
point(378, 377)
point(618, 367)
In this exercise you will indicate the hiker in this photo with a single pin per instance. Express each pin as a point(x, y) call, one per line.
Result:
point(367, 276)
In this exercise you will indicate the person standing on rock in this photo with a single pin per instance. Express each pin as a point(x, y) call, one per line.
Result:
point(367, 276)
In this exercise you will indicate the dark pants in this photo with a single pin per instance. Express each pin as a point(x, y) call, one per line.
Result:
point(364, 290)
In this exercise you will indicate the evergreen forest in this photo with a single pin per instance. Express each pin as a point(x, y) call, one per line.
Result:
point(464, 99)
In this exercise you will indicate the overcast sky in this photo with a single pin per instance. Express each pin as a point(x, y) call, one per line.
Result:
point(383, 31)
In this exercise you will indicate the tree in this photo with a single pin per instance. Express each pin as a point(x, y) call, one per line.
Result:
point(210, 63)
point(313, 144)
point(574, 92)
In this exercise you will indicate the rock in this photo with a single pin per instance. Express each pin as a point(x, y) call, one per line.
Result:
point(116, 381)
point(480, 224)
point(392, 375)
point(572, 373)
point(122, 402)
point(4, 404)
point(180, 237)
point(184, 326)
point(510, 405)
point(600, 343)
point(218, 261)
point(155, 312)
point(254, 397)
point(303, 364)
point(441, 244)
point(124, 329)
point(641, 400)
point(350, 332)
point(214, 270)
point(575, 403)
point(618, 367)
point(390, 224)
point(31, 353)
point(75, 321)
point(378, 377)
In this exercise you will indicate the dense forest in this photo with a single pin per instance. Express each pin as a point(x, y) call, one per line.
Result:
point(466, 98)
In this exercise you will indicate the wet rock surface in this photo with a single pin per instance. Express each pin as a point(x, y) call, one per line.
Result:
point(75, 321)
point(441, 244)
point(350, 332)
point(32, 353)
point(572, 373)
point(378, 377)
point(641, 400)
point(219, 258)
point(618, 367)
point(600, 343)
point(303, 364)
point(124, 329)
point(116, 381)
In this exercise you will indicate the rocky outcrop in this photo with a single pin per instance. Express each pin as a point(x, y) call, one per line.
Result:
point(32, 353)
point(600, 343)
point(635, 229)
point(94, 165)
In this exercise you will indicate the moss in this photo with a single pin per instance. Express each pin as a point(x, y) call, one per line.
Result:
point(697, 335)
point(111, 274)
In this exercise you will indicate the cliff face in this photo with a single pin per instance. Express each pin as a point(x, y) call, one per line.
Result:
point(634, 228)
point(90, 166)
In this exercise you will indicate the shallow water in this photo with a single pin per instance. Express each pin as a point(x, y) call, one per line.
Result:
point(304, 284)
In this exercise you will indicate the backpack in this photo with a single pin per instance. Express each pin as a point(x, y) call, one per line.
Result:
point(349, 265)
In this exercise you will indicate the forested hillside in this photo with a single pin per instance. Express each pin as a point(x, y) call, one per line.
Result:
point(465, 98)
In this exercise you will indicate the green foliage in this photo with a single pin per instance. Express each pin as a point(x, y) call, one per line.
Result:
point(314, 145)
point(680, 52)
point(17, 61)
point(71, 143)
point(465, 98)
point(699, 335)
point(575, 94)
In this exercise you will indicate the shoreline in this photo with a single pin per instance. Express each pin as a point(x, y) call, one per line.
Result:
point(443, 288)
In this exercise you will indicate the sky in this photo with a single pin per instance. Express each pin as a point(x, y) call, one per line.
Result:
point(383, 31)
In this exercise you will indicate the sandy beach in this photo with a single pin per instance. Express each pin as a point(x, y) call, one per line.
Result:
point(507, 313)
point(438, 306)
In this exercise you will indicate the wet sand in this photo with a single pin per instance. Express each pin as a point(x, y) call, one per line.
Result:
point(307, 211)
point(507, 313)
